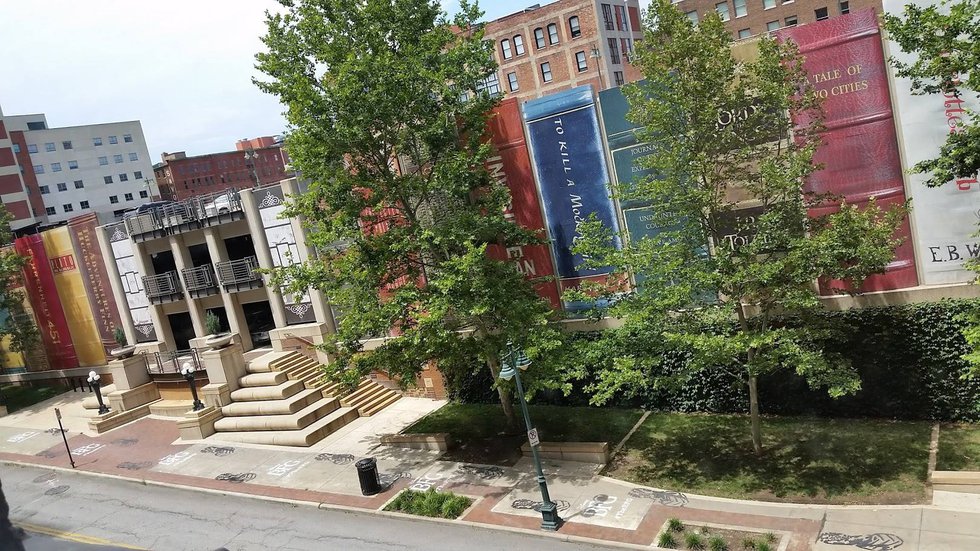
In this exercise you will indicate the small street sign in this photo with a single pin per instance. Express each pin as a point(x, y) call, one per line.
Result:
point(532, 437)
point(57, 413)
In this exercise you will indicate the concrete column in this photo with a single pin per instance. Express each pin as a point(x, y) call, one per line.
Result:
point(182, 258)
point(261, 243)
point(321, 308)
point(160, 321)
point(129, 373)
point(115, 282)
point(233, 306)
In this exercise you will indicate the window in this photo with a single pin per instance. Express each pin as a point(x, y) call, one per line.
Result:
point(772, 26)
point(490, 85)
point(618, 75)
point(66, 144)
point(117, 158)
point(79, 184)
point(133, 157)
point(49, 146)
point(113, 199)
point(55, 167)
point(16, 147)
point(693, 16)
point(614, 51)
point(580, 60)
point(96, 141)
point(72, 165)
point(621, 23)
point(113, 140)
point(722, 9)
point(740, 8)
point(36, 125)
point(744, 33)
point(107, 179)
point(539, 38)
point(83, 205)
point(138, 175)
point(546, 71)
point(50, 210)
point(821, 14)
point(607, 17)
point(38, 169)
point(123, 177)
point(512, 82)
point(32, 148)
point(62, 187)
point(768, 4)
point(68, 207)
point(553, 33)
point(845, 7)
point(518, 44)
point(103, 161)
point(791, 21)
point(144, 194)
point(44, 190)
point(129, 196)
point(505, 48)
point(573, 27)
point(128, 138)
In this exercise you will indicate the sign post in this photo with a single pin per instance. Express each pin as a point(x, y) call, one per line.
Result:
point(57, 413)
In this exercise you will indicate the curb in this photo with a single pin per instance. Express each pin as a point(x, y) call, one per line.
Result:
point(339, 508)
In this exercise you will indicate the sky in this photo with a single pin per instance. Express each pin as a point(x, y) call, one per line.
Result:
point(183, 68)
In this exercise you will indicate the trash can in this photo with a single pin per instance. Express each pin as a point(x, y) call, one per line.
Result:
point(367, 473)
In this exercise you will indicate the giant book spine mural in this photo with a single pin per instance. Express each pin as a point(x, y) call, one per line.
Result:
point(43, 293)
point(511, 166)
point(944, 219)
point(95, 277)
point(570, 168)
point(860, 156)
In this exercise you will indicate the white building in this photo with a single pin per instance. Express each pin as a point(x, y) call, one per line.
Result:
point(102, 168)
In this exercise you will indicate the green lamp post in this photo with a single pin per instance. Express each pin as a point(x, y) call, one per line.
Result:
point(516, 361)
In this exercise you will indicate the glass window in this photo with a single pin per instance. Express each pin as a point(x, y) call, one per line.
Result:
point(83, 205)
point(693, 16)
point(553, 33)
point(129, 196)
point(123, 177)
point(107, 179)
point(62, 187)
point(581, 62)
point(744, 33)
point(144, 195)
point(505, 48)
point(546, 71)
point(791, 21)
point(772, 26)
point(44, 190)
point(621, 18)
point(50, 210)
point(722, 9)
point(518, 44)
point(16, 147)
point(607, 17)
point(768, 4)
point(103, 161)
point(133, 157)
point(66, 144)
point(614, 51)
point(72, 165)
point(821, 14)
point(96, 141)
point(138, 175)
point(845, 7)
point(68, 207)
point(128, 138)
point(79, 184)
point(740, 8)
point(618, 75)
point(113, 140)
point(55, 167)
point(117, 158)
point(113, 199)
point(539, 38)
point(574, 28)
point(49, 146)
point(38, 169)
point(32, 148)
point(512, 82)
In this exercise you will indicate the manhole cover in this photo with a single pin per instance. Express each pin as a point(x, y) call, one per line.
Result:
point(46, 453)
point(126, 442)
point(56, 490)
point(130, 466)
point(45, 477)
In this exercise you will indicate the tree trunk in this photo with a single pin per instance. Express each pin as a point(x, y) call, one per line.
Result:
point(754, 414)
point(506, 402)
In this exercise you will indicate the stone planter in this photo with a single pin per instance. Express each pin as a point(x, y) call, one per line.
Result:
point(219, 341)
point(122, 352)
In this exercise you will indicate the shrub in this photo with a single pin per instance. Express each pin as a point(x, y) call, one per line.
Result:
point(748, 544)
point(212, 324)
point(694, 541)
point(717, 543)
point(666, 540)
point(120, 336)
point(763, 546)
point(675, 525)
point(430, 503)
point(770, 537)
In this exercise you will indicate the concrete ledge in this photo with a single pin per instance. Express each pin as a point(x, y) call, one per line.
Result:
point(198, 425)
point(111, 420)
point(434, 441)
point(956, 478)
point(585, 452)
point(3, 411)
point(125, 400)
point(216, 395)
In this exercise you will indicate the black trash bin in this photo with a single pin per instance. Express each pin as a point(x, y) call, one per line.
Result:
point(367, 473)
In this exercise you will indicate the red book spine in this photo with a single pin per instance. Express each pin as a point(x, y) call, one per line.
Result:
point(846, 66)
point(43, 294)
point(512, 166)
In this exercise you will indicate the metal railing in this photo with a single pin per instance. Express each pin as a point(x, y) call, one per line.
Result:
point(200, 278)
point(162, 286)
point(238, 272)
point(175, 217)
point(161, 363)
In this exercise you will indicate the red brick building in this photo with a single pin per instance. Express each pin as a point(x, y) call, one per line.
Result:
point(745, 18)
point(257, 161)
point(568, 43)
point(18, 188)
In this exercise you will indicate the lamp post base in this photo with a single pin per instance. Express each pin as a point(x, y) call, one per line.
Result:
point(550, 521)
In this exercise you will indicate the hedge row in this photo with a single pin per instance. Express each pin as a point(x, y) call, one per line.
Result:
point(909, 359)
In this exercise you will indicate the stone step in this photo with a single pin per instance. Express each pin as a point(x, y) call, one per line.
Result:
point(365, 392)
point(303, 370)
point(299, 420)
point(270, 378)
point(264, 393)
point(171, 408)
point(264, 364)
point(305, 437)
point(295, 363)
point(380, 402)
point(288, 406)
point(91, 402)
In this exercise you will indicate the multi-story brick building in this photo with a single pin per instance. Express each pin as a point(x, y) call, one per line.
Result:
point(568, 43)
point(18, 188)
point(255, 162)
point(745, 18)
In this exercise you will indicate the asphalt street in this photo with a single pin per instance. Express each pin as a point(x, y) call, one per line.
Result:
point(78, 508)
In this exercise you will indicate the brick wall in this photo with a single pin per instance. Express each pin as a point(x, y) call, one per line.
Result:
point(757, 15)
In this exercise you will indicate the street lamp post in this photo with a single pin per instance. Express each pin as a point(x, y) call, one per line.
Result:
point(597, 56)
point(93, 381)
point(187, 370)
point(517, 361)
point(250, 157)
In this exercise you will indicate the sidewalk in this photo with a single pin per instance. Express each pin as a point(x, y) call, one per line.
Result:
point(595, 507)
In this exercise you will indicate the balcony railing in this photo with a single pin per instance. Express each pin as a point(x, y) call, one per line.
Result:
point(163, 288)
point(166, 218)
point(200, 281)
point(237, 275)
point(171, 361)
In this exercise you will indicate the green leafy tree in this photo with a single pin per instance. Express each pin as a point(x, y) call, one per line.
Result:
point(18, 325)
point(945, 40)
point(695, 276)
point(387, 111)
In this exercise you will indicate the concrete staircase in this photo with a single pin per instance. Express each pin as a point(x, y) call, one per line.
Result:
point(283, 401)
